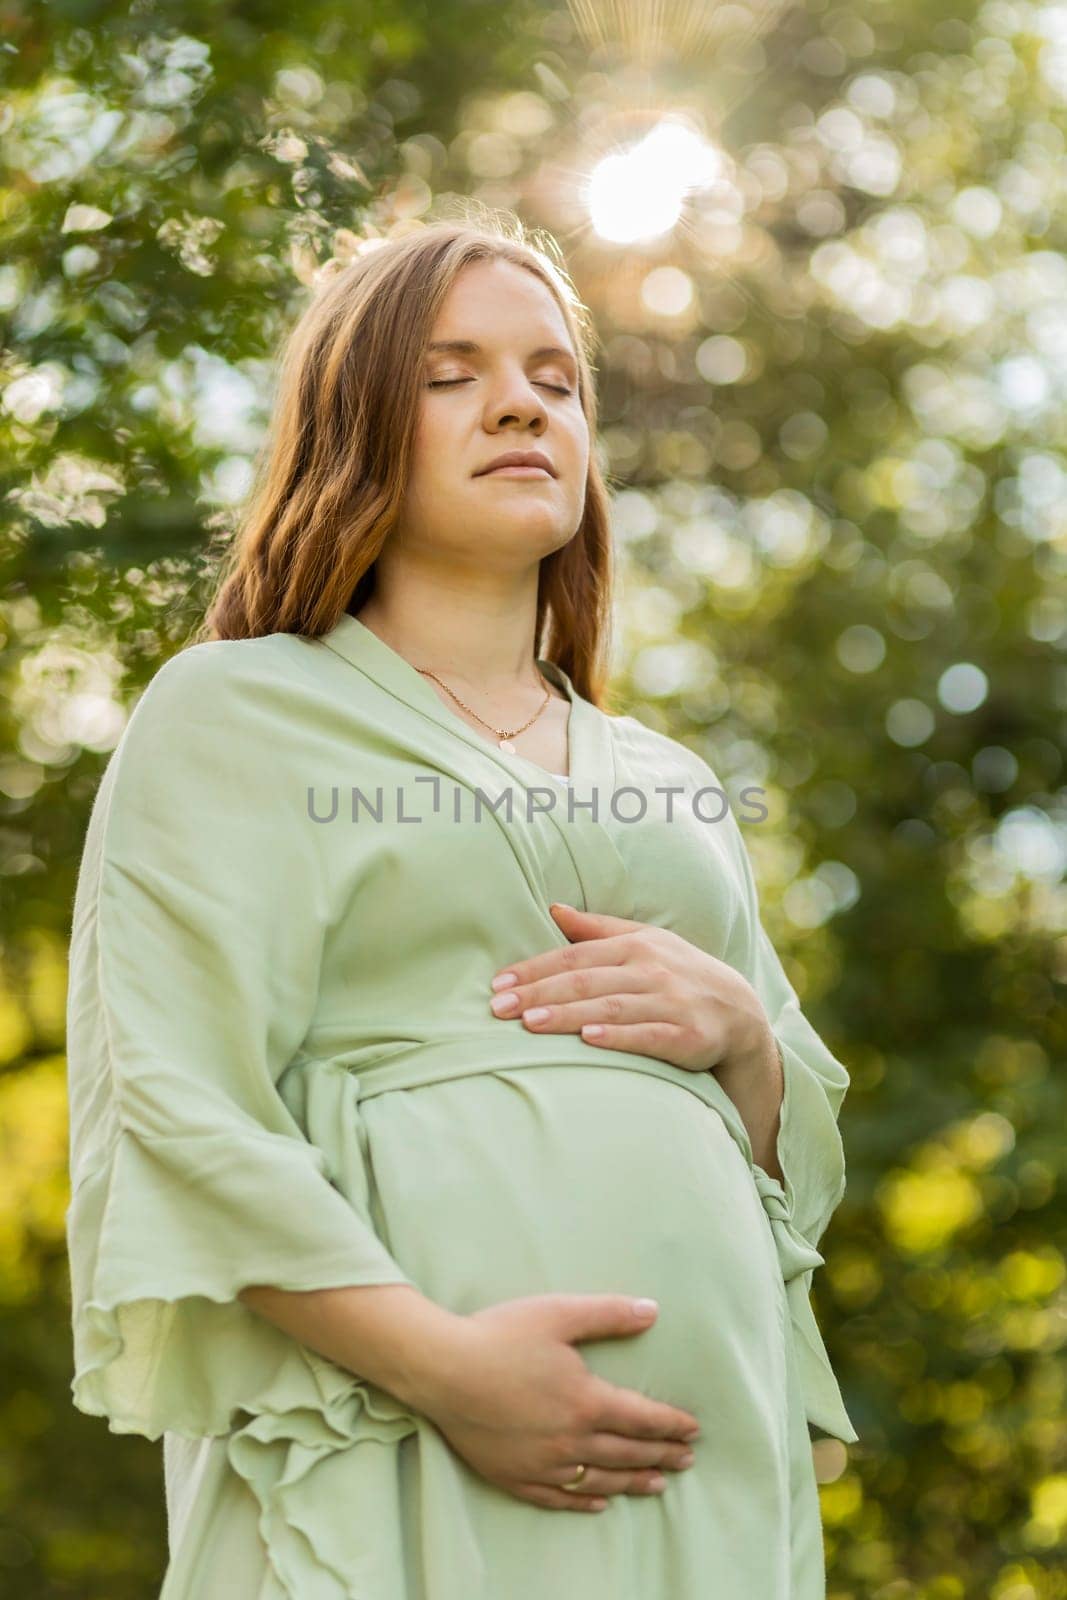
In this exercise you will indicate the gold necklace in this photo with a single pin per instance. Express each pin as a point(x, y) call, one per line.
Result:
point(504, 736)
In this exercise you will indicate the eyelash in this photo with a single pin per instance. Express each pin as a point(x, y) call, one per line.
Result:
point(446, 383)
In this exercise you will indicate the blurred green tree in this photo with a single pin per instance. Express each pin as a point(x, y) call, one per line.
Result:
point(833, 412)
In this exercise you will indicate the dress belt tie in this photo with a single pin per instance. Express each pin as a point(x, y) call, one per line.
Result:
point(412, 1064)
point(797, 1257)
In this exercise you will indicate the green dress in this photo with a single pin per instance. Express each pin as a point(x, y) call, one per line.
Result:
point(300, 874)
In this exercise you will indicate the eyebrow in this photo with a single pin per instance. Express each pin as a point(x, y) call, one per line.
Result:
point(467, 347)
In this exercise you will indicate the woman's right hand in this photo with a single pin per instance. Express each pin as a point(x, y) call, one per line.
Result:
point(521, 1407)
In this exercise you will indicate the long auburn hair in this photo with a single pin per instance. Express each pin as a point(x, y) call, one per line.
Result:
point(331, 476)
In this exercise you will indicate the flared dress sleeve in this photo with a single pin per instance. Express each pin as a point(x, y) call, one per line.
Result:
point(810, 1150)
point(809, 1146)
point(197, 935)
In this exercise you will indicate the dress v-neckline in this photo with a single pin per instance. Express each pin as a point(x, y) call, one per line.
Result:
point(589, 753)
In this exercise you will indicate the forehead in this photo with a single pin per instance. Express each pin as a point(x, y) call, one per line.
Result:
point(495, 303)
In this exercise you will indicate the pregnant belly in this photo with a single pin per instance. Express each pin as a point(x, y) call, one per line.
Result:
point(584, 1180)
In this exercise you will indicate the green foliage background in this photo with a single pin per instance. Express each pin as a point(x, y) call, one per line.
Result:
point(833, 416)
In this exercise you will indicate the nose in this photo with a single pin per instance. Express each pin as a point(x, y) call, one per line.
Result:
point(522, 405)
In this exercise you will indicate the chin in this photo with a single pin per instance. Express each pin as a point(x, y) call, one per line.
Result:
point(523, 526)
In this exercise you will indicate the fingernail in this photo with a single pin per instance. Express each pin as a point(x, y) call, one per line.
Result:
point(504, 981)
point(686, 1460)
point(658, 1482)
point(693, 1434)
point(645, 1308)
point(501, 1004)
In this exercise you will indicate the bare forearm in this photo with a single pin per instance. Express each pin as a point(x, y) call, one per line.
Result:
point(756, 1086)
point(389, 1333)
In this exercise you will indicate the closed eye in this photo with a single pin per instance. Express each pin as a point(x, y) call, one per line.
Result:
point(447, 383)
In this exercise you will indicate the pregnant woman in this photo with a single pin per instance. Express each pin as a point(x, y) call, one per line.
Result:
point(422, 1025)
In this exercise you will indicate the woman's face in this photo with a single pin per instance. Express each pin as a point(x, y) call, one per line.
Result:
point(508, 393)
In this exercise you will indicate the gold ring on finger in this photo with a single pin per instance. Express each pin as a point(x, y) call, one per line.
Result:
point(575, 1481)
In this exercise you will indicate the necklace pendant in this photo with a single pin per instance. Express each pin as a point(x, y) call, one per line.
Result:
point(506, 744)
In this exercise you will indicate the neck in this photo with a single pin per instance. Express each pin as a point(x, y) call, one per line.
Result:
point(487, 648)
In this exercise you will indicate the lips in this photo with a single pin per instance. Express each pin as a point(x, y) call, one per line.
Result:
point(518, 458)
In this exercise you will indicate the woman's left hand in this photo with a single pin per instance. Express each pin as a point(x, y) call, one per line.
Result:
point(645, 989)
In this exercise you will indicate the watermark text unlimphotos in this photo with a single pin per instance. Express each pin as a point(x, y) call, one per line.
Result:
point(404, 803)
